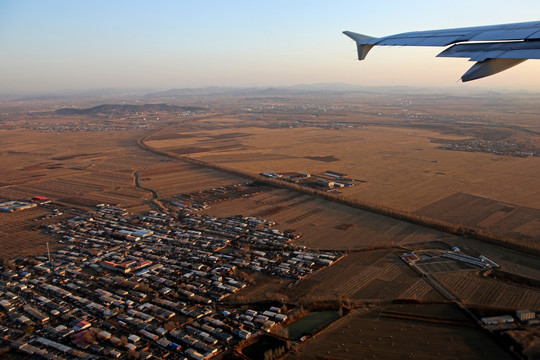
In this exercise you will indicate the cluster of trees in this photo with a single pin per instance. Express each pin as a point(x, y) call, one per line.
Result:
point(276, 353)
point(281, 331)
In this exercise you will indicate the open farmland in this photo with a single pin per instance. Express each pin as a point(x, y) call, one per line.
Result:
point(20, 235)
point(486, 214)
point(87, 190)
point(402, 166)
point(177, 177)
point(476, 290)
point(79, 173)
point(321, 221)
point(70, 168)
point(360, 276)
point(83, 169)
point(375, 335)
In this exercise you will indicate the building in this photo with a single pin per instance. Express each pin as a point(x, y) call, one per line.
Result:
point(409, 258)
point(334, 174)
point(494, 320)
point(325, 183)
point(525, 315)
point(471, 260)
point(12, 206)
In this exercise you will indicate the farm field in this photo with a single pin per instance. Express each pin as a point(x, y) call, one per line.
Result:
point(476, 290)
point(77, 172)
point(433, 266)
point(364, 276)
point(20, 235)
point(83, 170)
point(371, 335)
point(486, 214)
point(324, 224)
point(177, 177)
point(402, 166)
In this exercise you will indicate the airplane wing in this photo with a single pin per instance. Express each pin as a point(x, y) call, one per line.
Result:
point(494, 47)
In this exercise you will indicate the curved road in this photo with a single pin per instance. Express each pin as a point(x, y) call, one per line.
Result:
point(153, 202)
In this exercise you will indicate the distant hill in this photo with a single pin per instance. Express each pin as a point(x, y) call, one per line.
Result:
point(280, 91)
point(117, 109)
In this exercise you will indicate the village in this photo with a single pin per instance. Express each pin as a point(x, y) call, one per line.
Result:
point(493, 147)
point(138, 286)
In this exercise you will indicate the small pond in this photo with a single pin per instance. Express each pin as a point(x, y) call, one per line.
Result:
point(311, 323)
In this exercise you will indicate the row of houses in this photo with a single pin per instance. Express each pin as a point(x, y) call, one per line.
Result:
point(156, 281)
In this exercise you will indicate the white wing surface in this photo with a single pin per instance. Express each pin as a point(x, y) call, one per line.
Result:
point(494, 47)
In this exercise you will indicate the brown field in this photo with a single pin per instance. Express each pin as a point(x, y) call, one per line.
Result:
point(388, 157)
point(485, 214)
point(319, 220)
point(403, 168)
point(178, 177)
point(20, 235)
point(476, 290)
point(363, 276)
point(93, 168)
point(83, 176)
point(371, 335)
point(83, 170)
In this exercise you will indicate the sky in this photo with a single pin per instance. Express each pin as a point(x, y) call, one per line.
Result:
point(65, 44)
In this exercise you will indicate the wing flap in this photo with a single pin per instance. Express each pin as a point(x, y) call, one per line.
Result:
point(504, 50)
point(489, 67)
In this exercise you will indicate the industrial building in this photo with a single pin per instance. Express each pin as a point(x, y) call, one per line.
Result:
point(325, 183)
point(12, 206)
point(525, 315)
point(495, 320)
point(471, 260)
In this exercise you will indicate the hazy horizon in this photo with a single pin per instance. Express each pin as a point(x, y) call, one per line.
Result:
point(284, 90)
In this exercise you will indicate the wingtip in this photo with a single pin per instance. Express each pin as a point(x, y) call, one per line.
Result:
point(364, 39)
point(362, 43)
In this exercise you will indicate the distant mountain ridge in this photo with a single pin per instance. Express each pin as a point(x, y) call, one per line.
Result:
point(126, 109)
point(150, 95)
point(309, 89)
point(259, 91)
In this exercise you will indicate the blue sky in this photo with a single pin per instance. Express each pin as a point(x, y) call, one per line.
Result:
point(51, 45)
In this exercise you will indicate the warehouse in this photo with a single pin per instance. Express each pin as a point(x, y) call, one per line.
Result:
point(12, 206)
